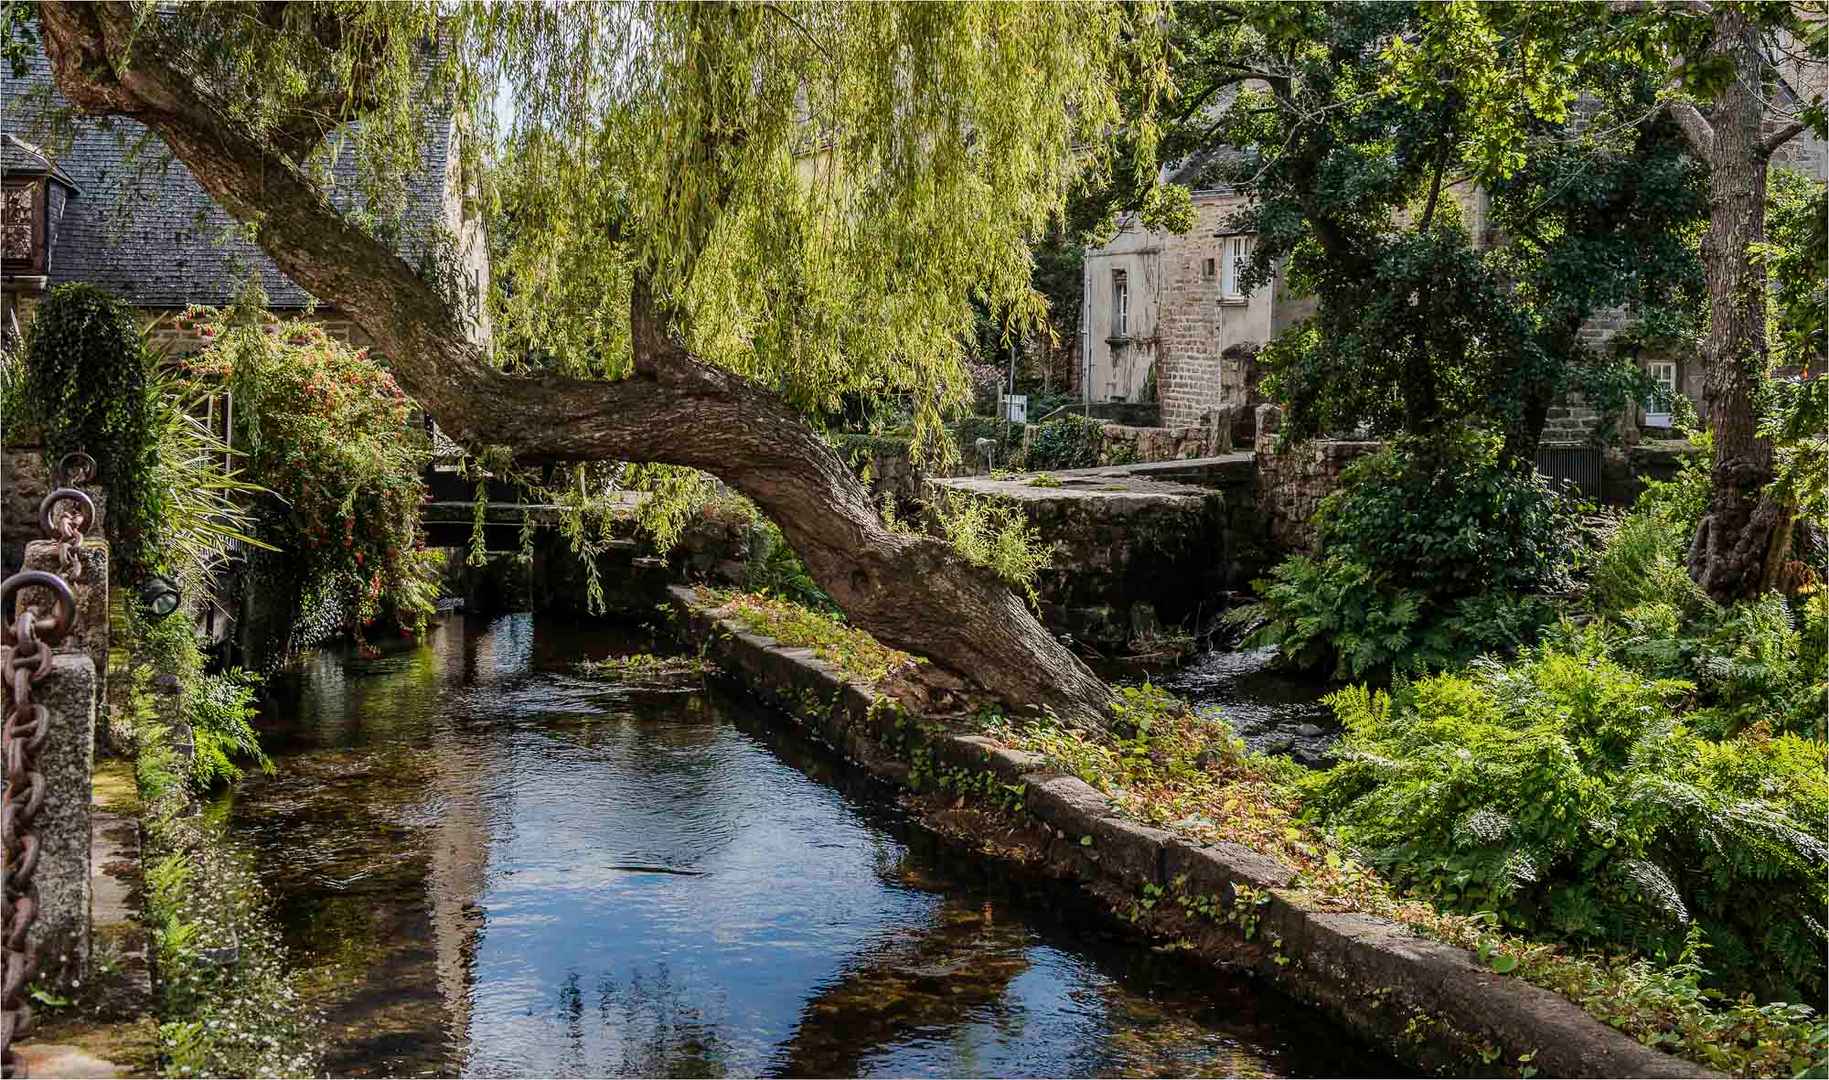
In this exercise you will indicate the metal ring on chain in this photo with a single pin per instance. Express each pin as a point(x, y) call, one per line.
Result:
point(85, 509)
point(74, 470)
point(48, 628)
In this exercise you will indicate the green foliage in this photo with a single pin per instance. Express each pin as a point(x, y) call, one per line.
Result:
point(1432, 552)
point(1445, 515)
point(1357, 157)
point(780, 221)
point(995, 535)
point(227, 1005)
point(1645, 558)
point(1758, 664)
point(1797, 422)
point(200, 502)
point(645, 669)
point(1336, 615)
point(1796, 252)
point(217, 708)
point(1565, 792)
point(220, 709)
point(329, 433)
point(775, 570)
point(86, 375)
point(851, 651)
point(1066, 442)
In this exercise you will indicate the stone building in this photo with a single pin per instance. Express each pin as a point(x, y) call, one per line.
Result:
point(1165, 320)
point(1165, 317)
point(104, 209)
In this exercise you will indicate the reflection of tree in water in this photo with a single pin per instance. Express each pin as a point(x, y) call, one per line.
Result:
point(653, 1025)
point(955, 970)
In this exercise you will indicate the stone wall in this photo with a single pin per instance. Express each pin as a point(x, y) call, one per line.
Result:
point(1574, 421)
point(1128, 445)
point(1291, 481)
point(1132, 555)
point(25, 479)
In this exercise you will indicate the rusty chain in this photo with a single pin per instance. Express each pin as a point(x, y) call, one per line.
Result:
point(67, 527)
point(29, 637)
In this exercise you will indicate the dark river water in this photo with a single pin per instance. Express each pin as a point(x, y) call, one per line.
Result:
point(486, 864)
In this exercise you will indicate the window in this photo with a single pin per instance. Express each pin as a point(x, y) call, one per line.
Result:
point(1657, 409)
point(1237, 250)
point(1206, 271)
point(21, 239)
point(1120, 304)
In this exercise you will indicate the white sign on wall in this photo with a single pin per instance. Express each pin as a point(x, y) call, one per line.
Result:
point(1016, 408)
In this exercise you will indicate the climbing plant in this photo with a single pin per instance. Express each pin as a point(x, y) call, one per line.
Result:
point(85, 387)
point(323, 426)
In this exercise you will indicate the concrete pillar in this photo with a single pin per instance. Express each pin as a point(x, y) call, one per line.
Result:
point(60, 933)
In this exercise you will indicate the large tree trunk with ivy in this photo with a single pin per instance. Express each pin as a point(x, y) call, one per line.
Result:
point(912, 592)
point(1740, 545)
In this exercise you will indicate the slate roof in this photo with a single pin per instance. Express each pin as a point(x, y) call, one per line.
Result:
point(19, 156)
point(142, 227)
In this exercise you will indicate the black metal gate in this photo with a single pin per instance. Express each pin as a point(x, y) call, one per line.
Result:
point(1574, 465)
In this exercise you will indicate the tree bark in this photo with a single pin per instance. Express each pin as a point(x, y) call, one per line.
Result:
point(912, 592)
point(1739, 544)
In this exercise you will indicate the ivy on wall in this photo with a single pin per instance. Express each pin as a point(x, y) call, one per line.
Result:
point(86, 375)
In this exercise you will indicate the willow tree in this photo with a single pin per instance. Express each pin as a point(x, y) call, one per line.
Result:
point(730, 216)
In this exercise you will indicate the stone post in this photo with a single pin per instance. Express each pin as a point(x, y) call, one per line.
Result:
point(60, 933)
point(90, 634)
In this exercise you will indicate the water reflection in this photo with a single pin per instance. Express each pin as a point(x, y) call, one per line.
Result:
point(491, 866)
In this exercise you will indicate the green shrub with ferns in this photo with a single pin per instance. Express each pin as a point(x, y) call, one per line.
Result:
point(217, 708)
point(1567, 793)
point(1629, 783)
point(1432, 552)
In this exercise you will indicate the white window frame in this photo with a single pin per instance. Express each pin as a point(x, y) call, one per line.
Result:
point(1120, 303)
point(1664, 373)
point(1235, 251)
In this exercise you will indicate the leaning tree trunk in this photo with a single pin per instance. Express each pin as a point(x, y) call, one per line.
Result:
point(1739, 545)
point(912, 592)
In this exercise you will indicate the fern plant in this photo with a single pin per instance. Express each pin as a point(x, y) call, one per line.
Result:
point(1338, 617)
point(1565, 792)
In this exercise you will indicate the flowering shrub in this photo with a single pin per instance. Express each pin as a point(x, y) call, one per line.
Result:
point(328, 431)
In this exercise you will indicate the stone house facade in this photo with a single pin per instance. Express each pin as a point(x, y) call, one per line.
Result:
point(1165, 317)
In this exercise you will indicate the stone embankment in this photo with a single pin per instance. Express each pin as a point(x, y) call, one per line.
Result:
point(1137, 548)
point(1431, 1004)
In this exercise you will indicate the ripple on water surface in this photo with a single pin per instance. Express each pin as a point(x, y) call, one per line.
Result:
point(488, 865)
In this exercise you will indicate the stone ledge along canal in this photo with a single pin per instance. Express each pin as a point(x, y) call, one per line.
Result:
point(485, 863)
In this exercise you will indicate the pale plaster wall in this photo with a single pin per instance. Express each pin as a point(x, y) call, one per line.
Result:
point(1178, 321)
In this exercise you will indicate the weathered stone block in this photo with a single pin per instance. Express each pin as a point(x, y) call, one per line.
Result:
point(1129, 850)
point(60, 934)
point(1214, 869)
point(1068, 803)
point(89, 636)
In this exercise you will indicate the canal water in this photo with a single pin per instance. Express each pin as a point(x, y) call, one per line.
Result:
point(486, 863)
point(1273, 711)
